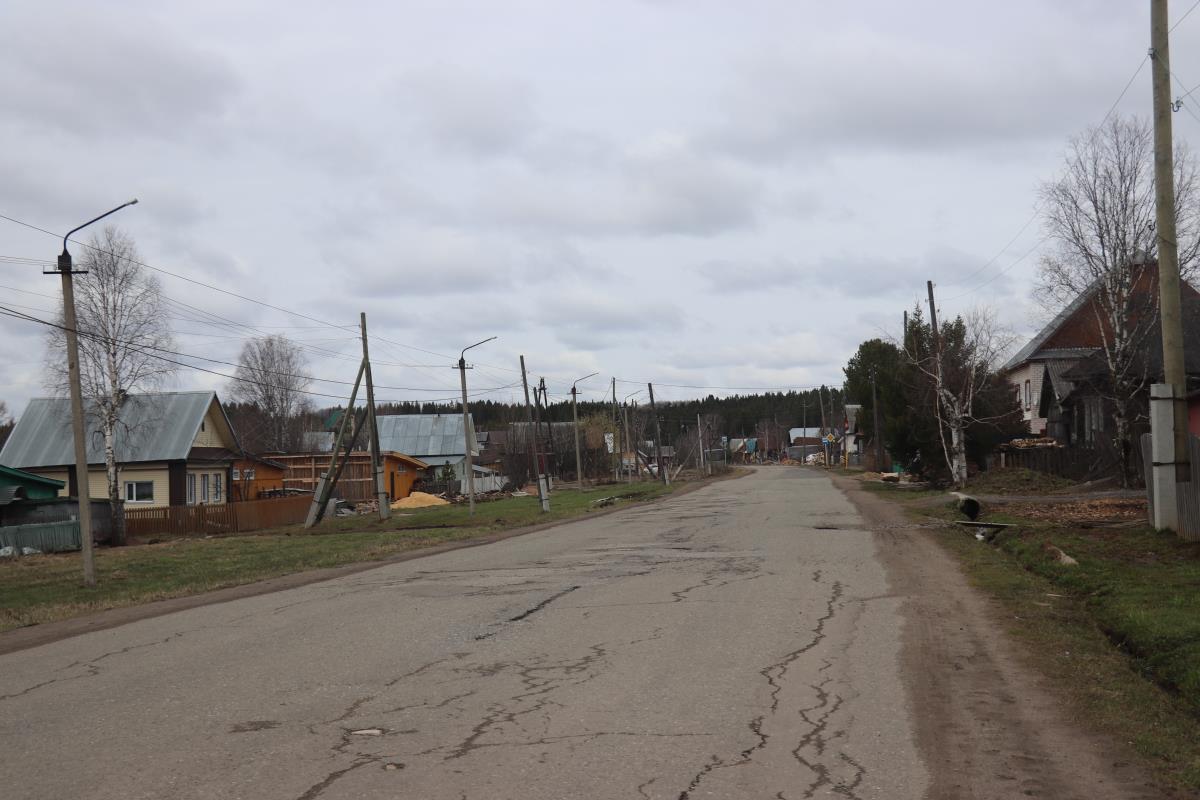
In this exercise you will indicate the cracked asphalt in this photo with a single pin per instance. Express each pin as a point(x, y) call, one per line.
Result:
point(742, 640)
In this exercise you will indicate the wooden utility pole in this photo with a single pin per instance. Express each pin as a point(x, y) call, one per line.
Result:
point(804, 435)
point(381, 494)
point(628, 441)
point(700, 442)
point(1174, 374)
point(662, 472)
point(324, 488)
point(543, 500)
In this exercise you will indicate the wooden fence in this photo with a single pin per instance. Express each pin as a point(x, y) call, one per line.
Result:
point(1187, 493)
point(216, 519)
point(1073, 463)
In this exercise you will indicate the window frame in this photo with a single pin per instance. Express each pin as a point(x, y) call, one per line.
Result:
point(134, 486)
point(204, 488)
point(191, 488)
point(217, 482)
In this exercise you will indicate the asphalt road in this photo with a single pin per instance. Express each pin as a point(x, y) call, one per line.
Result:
point(738, 641)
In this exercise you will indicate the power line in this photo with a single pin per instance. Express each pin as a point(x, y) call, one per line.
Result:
point(154, 352)
point(1186, 14)
point(1038, 207)
point(247, 299)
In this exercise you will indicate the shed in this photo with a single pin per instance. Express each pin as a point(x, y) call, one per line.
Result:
point(16, 484)
point(436, 439)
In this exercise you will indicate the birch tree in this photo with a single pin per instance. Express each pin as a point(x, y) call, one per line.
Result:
point(958, 369)
point(122, 325)
point(270, 375)
point(1099, 217)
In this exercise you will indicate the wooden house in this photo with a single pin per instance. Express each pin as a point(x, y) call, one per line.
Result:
point(255, 477)
point(400, 472)
point(173, 448)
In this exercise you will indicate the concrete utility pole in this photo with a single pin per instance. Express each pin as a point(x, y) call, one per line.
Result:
point(627, 440)
point(662, 472)
point(468, 433)
point(876, 425)
point(1169, 428)
point(381, 493)
point(700, 442)
point(543, 500)
point(575, 418)
point(82, 474)
point(616, 452)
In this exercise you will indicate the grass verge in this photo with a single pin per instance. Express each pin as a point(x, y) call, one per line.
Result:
point(1118, 634)
point(39, 589)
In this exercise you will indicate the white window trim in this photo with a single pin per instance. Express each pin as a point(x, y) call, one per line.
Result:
point(191, 489)
point(217, 482)
point(131, 485)
point(204, 488)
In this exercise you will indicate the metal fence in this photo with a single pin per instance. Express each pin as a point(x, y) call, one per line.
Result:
point(241, 517)
point(45, 537)
point(1187, 493)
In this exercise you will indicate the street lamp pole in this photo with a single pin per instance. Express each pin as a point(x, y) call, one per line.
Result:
point(82, 482)
point(467, 432)
point(575, 416)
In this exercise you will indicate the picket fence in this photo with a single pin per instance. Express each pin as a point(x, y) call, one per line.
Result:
point(251, 515)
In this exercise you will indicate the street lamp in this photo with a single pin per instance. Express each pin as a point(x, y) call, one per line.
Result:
point(575, 416)
point(82, 487)
point(467, 432)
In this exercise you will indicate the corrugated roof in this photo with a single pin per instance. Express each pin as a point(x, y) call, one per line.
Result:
point(425, 436)
point(154, 427)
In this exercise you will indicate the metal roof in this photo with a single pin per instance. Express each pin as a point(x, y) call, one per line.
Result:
point(425, 436)
point(153, 427)
point(1033, 345)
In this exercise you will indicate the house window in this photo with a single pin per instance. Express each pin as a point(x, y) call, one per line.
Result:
point(237, 474)
point(217, 487)
point(250, 474)
point(139, 491)
point(204, 488)
point(191, 489)
point(1028, 396)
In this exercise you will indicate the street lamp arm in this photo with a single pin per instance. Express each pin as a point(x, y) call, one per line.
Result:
point(97, 219)
point(463, 354)
point(584, 378)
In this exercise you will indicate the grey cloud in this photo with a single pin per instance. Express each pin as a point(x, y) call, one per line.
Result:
point(467, 113)
point(117, 78)
point(600, 320)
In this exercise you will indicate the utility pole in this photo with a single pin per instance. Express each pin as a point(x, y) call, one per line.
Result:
point(543, 500)
point(381, 494)
point(1169, 450)
point(616, 452)
point(662, 472)
point(627, 440)
point(700, 442)
point(876, 426)
point(324, 488)
point(804, 428)
point(468, 433)
point(83, 476)
point(575, 419)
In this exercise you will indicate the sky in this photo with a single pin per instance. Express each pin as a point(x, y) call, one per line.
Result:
point(699, 194)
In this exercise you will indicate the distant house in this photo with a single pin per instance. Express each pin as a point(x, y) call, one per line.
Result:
point(174, 448)
point(435, 439)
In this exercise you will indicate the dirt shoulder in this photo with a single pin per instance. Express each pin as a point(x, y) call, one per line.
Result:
point(989, 724)
point(47, 632)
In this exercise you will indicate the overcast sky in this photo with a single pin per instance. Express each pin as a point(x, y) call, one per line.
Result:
point(704, 193)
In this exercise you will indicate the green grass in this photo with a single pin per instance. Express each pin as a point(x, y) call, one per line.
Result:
point(1119, 634)
point(39, 589)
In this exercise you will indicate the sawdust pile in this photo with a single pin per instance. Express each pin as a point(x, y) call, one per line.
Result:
point(420, 500)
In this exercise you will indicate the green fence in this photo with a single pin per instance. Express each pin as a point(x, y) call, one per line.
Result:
point(48, 537)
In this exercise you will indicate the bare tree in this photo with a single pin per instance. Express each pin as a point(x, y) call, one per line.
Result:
point(123, 327)
point(270, 375)
point(1100, 214)
point(971, 349)
point(6, 423)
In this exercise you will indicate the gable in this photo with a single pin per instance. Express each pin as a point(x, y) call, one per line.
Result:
point(215, 430)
